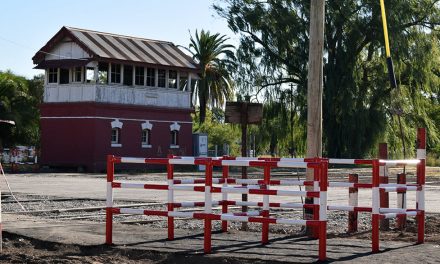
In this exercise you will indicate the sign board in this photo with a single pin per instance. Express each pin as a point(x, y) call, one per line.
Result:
point(235, 110)
point(200, 141)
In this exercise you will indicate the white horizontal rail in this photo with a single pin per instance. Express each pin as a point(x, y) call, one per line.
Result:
point(132, 185)
point(340, 208)
point(400, 162)
point(340, 184)
point(395, 189)
point(341, 161)
point(394, 215)
point(290, 164)
point(185, 161)
point(132, 160)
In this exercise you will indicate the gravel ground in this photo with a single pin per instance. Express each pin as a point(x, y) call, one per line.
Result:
point(55, 208)
point(19, 249)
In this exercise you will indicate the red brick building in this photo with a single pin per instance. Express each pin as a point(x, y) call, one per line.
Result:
point(113, 94)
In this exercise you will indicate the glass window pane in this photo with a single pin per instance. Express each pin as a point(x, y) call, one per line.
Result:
point(151, 76)
point(116, 73)
point(90, 74)
point(139, 75)
point(172, 79)
point(103, 73)
point(77, 74)
point(161, 78)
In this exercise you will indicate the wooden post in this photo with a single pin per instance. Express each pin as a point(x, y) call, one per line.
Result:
point(401, 202)
point(353, 200)
point(314, 90)
point(244, 118)
point(383, 178)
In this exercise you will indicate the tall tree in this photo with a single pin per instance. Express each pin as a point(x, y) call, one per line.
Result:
point(358, 102)
point(215, 58)
point(19, 103)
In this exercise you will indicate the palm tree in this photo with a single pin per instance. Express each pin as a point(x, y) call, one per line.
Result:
point(215, 59)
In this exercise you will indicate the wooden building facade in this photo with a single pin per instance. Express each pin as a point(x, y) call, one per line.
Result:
point(113, 94)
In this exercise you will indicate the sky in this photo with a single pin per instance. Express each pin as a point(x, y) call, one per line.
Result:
point(27, 25)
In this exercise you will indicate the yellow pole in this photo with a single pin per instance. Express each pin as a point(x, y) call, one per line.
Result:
point(385, 29)
point(387, 46)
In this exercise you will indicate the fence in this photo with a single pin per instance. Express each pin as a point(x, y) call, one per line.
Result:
point(263, 187)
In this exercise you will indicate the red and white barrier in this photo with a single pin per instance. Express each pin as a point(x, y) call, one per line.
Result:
point(257, 187)
point(389, 213)
point(267, 188)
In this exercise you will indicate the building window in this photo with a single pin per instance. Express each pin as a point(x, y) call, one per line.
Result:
point(151, 77)
point(77, 74)
point(53, 75)
point(172, 79)
point(183, 81)
point(64, 76)
point(90, 74)
point(174, 138)
point(146, 134)
point(139, 75)
point(128, 75)
point(146, 138)
point(174, 128)
point(103, 73)
point(116, 133)
point(115, 73)
point(161, 78)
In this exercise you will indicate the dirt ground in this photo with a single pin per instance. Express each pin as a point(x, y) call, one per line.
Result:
point(20, 249)
point(25, 249)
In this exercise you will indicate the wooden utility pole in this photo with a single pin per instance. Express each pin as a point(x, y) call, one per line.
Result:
point(244, 118)
point(315, 86)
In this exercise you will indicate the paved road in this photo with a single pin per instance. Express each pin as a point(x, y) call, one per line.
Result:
point(94, 186)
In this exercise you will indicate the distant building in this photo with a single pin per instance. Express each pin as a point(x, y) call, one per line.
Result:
point(113, 94)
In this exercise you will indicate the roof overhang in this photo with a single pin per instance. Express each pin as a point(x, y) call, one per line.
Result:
point(64, 64)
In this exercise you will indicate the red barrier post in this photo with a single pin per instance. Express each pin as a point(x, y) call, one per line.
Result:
point(265, 228)
point(421, 180)
point(323, 184)
point(317, 177)
point(353, 196)
point(401, 202)
point(225, 176)
point(383, 178)
point(109, 201)
point(375, 208)
point(208, 207)
point(170, 205)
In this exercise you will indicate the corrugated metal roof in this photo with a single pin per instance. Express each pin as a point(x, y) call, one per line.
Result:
point(126, 48)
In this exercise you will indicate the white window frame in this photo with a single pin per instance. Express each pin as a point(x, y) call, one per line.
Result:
point(53, 72)
point(112, 71)
point(165, 78)
point(174, 130)
point(138, 75)
point(116, 126)
point(74, 80)
point(146, 126)
point(169, 79)
point(154, 76)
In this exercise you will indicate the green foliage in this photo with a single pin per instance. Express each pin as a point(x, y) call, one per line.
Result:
point(359, 108)
point(218, 132)
point(19, 99)
point(215, 59)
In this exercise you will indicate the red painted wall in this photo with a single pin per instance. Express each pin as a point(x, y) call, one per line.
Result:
point(85, 139)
